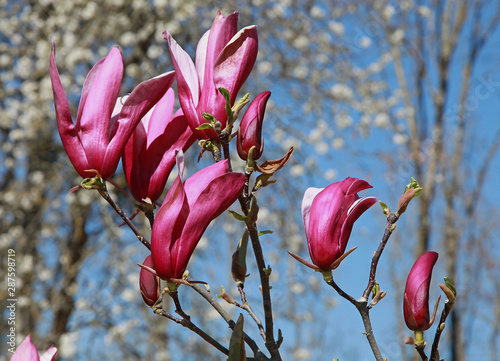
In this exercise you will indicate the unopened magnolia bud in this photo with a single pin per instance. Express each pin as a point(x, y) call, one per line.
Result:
point(254, 212)
point(250, 130)
point(416, 294)
point(149, 284)
point(238, 265)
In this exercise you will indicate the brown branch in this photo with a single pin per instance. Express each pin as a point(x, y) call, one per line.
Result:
point(392, 218)
point(246, 306)
point(364, 311)
point(104, 194)
point(201, 290)
point(446, 311)
point(186, 322)
point(271, 344)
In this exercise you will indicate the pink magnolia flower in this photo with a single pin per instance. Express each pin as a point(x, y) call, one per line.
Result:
point(186, 212)
point(250, 130)
point(416, 296)
point(329, 215)
point(97, 139)
point(148, 283)
point(27, 351)
point(224, 58)
point(150, 153)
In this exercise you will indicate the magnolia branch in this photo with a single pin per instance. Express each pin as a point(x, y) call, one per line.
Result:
point(104, 194)
point(271, 344)
point(246, 306)
point(364, 311)
point(446, 311)
point(186, 322)
point(244, 199)
point(392, 218)
point(213, 302)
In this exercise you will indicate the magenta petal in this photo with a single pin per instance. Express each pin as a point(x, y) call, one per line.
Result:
point(196, 184)
point(221, 32)
point(356, 210)
point(160, 117)
point(148, 283)
point(26, 351)
point(137, 178)
point(140, 101)
point(99, 104)
point(160, 156)
point(201, 56)
point(167, 230)
point(67, 131)
point(309, 196)
point(250, 130)
point(49, 355)
point(87, 85)
point(235, 62)
point(357, 185)
point(215, 198)
point(325, 219)
point(326, 213)
point(188, 87)
point(416, 309)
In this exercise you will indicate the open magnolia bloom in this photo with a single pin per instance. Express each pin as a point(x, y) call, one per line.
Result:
point(186, 212)
point(27, 351)
point(150, 153)
point(416, 296)
point(224, 58)
point(97, 139)
point(329, 215)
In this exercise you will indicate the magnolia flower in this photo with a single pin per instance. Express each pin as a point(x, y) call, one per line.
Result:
point(416, 297)
point(329, 215)
point(224, 58)
point(149, 283)
point(186, 212)
point(27, 351)
point(150, 153)
point(250, 130)
point(97, 140)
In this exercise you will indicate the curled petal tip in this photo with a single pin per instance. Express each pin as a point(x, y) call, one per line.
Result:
point(357, 185)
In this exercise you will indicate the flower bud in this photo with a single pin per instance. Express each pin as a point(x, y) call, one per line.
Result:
point(250, 131)
point(148, 283)
point(416, 296)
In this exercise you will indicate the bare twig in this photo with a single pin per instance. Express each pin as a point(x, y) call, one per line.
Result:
point(213, 302)
point(364, 311)
point(246, 306)
point(392, 218)
point(439, 330)
point(186, 322)
point(103, 191)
